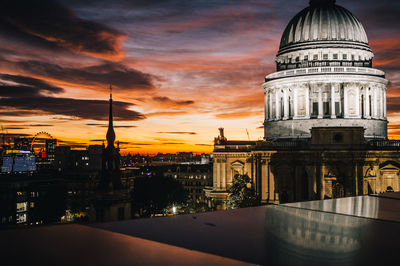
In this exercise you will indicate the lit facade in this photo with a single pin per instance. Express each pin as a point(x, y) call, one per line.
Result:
point(325, 118)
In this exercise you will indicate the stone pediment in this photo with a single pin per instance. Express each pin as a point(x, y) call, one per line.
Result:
point(237, 163)
point(389, 166)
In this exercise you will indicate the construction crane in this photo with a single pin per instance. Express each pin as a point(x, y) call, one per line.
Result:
point(248, 135)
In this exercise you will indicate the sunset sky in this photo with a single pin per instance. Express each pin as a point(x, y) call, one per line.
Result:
point(179, 69)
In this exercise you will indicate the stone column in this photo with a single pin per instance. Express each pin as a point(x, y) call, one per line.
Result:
point(266, 109)
point(277, 106)
point(384, 103)
point(307, 102)
point(264, 181)
point(375, 115)
point(320, 107)
point(333, 111)
point(367, 104)
point(285, 104)
point(270, 106)
point(215, 174)
point(358, 101)
point(295, 115)
point(345, 102)
point(218, 175)
point(223, 176)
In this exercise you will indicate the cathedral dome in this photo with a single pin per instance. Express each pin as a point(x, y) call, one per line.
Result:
point(323, 22)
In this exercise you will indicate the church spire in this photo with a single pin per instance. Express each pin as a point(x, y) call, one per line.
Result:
point(110, 132)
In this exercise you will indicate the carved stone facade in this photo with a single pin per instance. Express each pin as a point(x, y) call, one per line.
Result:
point(325, 118)
point(336, 162)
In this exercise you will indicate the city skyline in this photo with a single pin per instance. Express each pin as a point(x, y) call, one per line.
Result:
point(179, 71)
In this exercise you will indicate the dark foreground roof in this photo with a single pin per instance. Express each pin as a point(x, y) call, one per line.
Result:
point(350, 231)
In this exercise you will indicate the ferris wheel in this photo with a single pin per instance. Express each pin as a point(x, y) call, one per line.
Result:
point(37, 143)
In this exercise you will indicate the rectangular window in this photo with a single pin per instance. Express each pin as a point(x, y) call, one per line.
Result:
point(326, 108)
point(306, 58)
point(335, 56)
point(297, 59)
point(315, 57)
point(337, 109)
point(352, 57)
point(344, 56)
point(325, 56)
point(315, 109)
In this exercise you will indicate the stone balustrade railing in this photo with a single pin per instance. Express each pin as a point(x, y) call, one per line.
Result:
point(325, 70)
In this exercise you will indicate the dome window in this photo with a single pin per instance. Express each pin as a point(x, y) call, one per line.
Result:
point(306, 58)
point(344, 56)
point(297, 59)
point(315, 57)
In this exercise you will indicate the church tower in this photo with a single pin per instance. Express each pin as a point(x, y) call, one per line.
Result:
point(111, 174)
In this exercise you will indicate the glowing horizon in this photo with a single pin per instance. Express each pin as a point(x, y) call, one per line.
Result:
point(179, 70)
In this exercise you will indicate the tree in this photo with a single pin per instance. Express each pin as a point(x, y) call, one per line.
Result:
point(242, 193)
point(154, 193)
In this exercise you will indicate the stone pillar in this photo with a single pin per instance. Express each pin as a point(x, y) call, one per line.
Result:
point(271, 187)
point(223, 175)
point(320, 107)
point(375, 98)
point(345, 103)
point(333, 111)
point(307, 102)
point(266, 109)
point(285, 104)
point(264, 181)
point(277, 106)
point(295, 113)
point(358, 114)
point(382, 90)
point(218, 175)
point(215, 174)
point(270, 106)
point(367, 103)
point(384, 103)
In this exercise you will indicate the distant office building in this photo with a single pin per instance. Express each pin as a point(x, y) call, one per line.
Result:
point(22, 143)
point(51, 145)
point(194, 179)
point(95, 156)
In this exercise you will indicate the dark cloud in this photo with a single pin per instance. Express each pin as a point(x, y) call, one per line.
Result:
point(85, 109)
point(206, 145)
point(27, 86)
point(169, 102)
point(29, 100)
point(118, 75)
point(178, 133)
point(393, 105)
point(6, 112)
point(172, 143)
point(51, 22)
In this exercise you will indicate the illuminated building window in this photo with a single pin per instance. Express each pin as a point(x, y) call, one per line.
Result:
point(22, 206)
point(21, 218)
